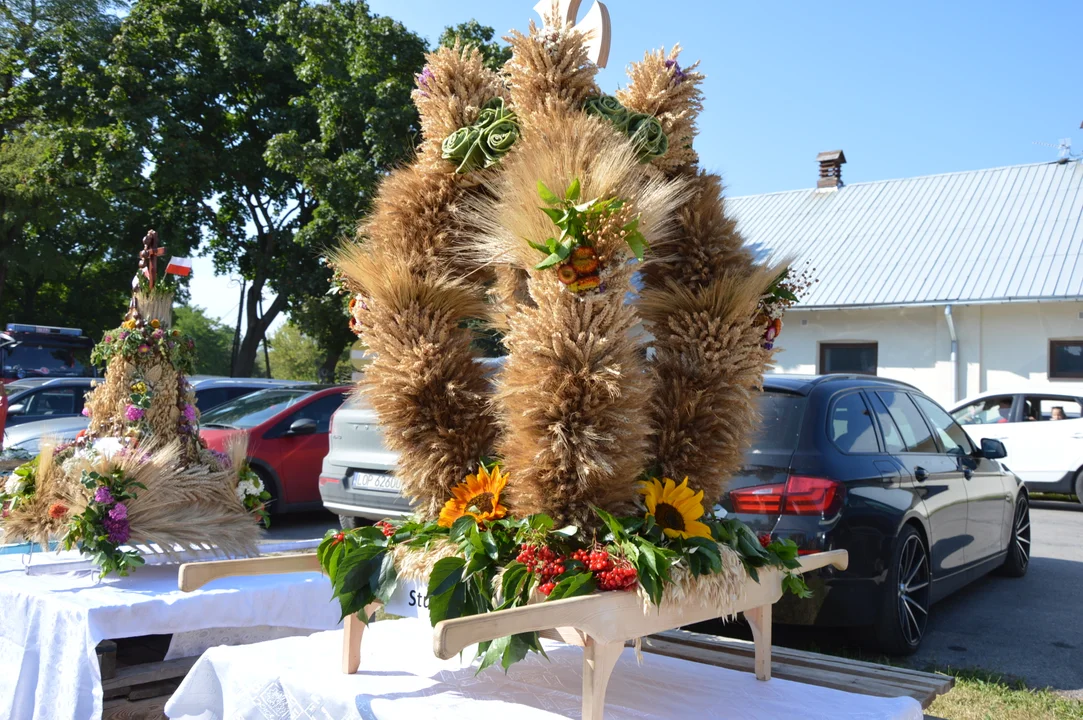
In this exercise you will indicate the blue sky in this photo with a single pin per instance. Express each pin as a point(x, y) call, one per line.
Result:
point(904, 89)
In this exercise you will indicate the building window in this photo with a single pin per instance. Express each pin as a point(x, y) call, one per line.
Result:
point(848, 358)
point(1065, 359)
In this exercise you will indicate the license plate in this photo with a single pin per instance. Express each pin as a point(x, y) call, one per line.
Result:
point(373, 481)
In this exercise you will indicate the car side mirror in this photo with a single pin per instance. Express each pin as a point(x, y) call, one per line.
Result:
point(302, 426)
point(17, 409)
point(993, 449)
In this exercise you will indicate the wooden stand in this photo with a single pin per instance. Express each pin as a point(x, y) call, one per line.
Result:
point(601, 624)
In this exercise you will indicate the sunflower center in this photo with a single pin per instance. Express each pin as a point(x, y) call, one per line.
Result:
point(668, 516)
point(482, 502)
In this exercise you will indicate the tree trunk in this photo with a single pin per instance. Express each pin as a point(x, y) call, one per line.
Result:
point(255, 328)
point(326, 371)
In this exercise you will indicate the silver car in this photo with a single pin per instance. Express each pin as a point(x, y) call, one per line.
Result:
point(357, 481)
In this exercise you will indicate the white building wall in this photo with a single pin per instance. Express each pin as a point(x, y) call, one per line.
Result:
point(1001, 347)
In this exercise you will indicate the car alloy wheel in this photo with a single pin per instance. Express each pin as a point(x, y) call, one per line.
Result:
point(913, 590)
point(1021, 536)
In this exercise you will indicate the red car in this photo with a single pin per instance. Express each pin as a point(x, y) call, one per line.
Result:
point(287, 438)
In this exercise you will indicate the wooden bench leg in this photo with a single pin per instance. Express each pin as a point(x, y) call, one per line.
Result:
point(759, 619)
point(599, 659)
point(353, 628)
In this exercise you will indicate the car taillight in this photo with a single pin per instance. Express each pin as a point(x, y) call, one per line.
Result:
point(324, 480)
point(799, 495)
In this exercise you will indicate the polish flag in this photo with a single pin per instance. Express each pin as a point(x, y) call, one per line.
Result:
point(179, 266)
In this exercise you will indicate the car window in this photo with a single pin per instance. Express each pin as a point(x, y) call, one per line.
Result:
point(915, 433)
point(1037, 407)
point(249, 411)
point(952, 437)
point(996, 409)
point(850, 426)
point(781, 415)
point(893, 442)
point(319, 410)
point(51, 401)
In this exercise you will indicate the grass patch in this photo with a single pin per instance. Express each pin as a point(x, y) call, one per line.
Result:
point(982, 695)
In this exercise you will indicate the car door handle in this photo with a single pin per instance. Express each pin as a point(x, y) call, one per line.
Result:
point(920, 475)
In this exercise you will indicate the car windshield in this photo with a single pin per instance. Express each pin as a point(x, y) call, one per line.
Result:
point(29, 360)
point(249, 411)
point(782, 414)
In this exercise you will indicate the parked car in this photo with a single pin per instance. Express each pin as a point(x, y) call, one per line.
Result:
point(875, 467)
point(27, 434)
point(286, 430)
point(1043, 433)
point(46, 400)
point(357, 481)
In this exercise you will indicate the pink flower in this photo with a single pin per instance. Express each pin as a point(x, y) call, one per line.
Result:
point(157, 334)
point(133, 413)
point(119, 512)
point(103, 496)
point(189, 413)
point(85, 412)
point(124, 334)
point(108, 338)
point(144, 348)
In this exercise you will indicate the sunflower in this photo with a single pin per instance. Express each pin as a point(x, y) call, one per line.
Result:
point(676, 508)
point(478, 496)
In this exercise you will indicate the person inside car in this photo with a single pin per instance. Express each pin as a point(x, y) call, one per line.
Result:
point(1057, 413)
point(1005, 410)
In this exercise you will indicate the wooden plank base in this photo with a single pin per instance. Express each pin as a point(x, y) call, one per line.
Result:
point(812, 668)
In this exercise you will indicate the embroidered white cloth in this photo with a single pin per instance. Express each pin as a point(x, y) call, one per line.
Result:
point(400, 679)
point(51, 624)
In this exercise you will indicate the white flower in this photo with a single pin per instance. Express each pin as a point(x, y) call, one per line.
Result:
point(14, 485)
point(109, 446)
point(257, 483)
point(246, 488)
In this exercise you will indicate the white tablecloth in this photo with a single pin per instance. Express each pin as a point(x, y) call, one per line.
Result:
point(51, 624)
point(400, 679)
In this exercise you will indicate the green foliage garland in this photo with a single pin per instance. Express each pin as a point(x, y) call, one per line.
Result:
point(362, 569)
point(483, 144)
point(645, 131)
point(102, 528)
point(136, 344)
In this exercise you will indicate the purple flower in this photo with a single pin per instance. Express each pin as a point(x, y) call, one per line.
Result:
point(118, 530)
point(108, 338)
point(157, 334)
point(103, 496)
point(85, 411)
point(119, 512)
point(171, 344)
point(189, 413)
point(144, 348)
point(133, 413)
point(423, 79)
point(124, 334)
point(222, 458)
point(679, 75)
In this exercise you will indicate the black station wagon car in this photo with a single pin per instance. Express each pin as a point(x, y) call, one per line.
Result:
point(875, 467)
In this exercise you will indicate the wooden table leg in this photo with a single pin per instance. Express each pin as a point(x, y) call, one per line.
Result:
point(759, 619)
point(599, 659)
point(352, 630)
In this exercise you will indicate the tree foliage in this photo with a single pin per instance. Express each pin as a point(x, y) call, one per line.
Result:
point(480, 36)
point(214, 341)
point(296, 356)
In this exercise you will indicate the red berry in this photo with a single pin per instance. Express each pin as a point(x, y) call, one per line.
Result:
point(547, 587)
point(339, 537)
point(765, 539)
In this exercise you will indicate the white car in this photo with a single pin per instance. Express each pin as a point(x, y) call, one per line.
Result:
point(1042, 432)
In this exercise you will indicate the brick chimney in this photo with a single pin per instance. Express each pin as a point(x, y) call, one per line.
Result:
point(830, 169)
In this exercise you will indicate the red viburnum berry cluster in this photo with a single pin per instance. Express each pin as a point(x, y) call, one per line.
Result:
point(612, 573)
point(386, 528)
point(765, 539)
point(543, 562)
point(339, 537)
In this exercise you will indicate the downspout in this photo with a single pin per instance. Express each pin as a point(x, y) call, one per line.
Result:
point(954, 354)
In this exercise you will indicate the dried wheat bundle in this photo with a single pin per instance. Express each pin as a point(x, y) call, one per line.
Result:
point(659, 87)
point(572, 393)
point(549, 71)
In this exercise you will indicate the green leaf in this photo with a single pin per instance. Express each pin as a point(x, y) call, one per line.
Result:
point(554, 259)
point(494, 653)
point(541, 248)
point(446, 573)
point(611, 522)
point(572, 193)
point(573, 585)
point(547, 195)
point(514, 581)
point(539, 521)
point(637, 243)
point(489, 544)
point(384, 578)
point(461, 527)
point(516, 650)
point(555, 214)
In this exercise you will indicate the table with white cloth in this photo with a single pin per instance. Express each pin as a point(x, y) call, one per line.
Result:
point(50, 625)
point(400, 679)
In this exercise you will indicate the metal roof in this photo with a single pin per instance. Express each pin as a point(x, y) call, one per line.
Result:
point(1003, 234)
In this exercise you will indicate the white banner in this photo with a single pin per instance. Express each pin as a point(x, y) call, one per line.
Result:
point(410, 599)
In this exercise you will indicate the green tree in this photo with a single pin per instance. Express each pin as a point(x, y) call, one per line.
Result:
point(214, 341)
point(296, 356)
point(481, 37)
point(276, 118)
